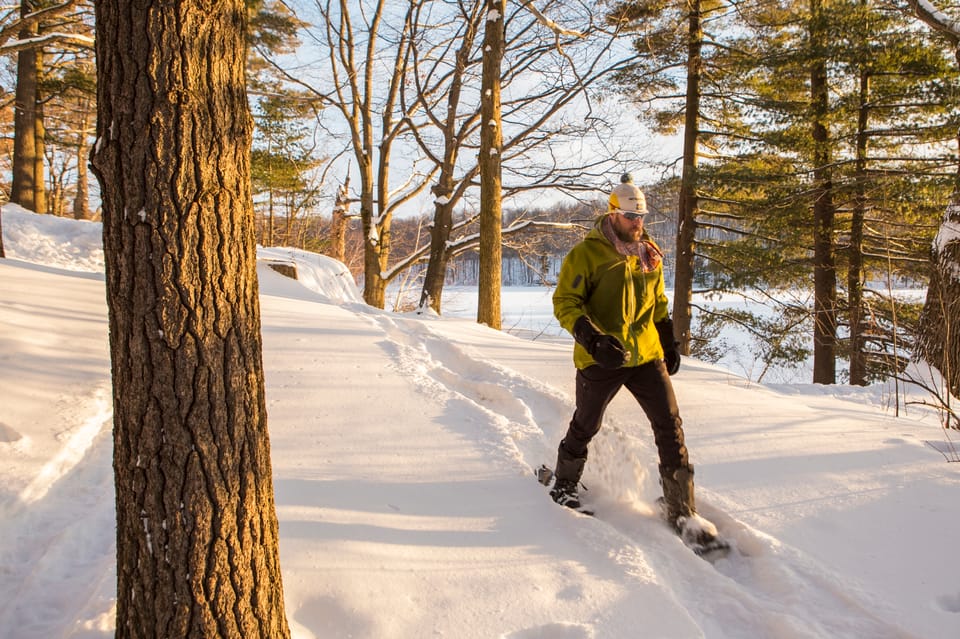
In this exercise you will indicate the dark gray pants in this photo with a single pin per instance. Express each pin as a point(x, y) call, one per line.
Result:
point(650, 386)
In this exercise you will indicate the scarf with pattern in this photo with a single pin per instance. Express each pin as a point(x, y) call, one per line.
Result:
point(646, 251)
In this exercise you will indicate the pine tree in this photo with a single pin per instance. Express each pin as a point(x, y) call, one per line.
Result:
point(782, 193)
point(197, 533)
point(282, 161)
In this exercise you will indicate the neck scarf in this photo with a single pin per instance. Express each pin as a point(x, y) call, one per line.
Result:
point(647, 252)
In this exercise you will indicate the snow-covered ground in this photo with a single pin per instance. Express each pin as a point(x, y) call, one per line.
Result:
point(404, 448)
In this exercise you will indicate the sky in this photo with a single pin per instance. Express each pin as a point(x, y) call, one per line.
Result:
point(404, 450)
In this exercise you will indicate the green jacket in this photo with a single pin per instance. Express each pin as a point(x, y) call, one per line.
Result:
point(616, 292)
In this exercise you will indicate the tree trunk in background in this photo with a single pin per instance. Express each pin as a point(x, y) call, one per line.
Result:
point(491, 142)
point(22, 188)
point(81, 206)
point(39, 184)
point(688, 205)
point(824, 269)
point(436, 273)
point(374, 239)
point(449, 188)
point(338, 225)
point(858, 360)
point(938, 339)
point(197, 535)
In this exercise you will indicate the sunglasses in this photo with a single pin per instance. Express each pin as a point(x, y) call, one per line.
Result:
point(630, 215)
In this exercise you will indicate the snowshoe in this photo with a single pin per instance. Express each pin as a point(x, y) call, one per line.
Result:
point(700, 535)
point(566, 493)
point(697, 533)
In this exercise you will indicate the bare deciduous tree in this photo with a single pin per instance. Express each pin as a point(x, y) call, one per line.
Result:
point(365, 53)
point(548, 73)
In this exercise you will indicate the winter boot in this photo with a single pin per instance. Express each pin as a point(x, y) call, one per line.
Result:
point(680, 511)
point(565, 493)
point(569, 469)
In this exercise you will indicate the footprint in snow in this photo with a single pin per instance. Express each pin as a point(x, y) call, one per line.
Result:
point(553, 631)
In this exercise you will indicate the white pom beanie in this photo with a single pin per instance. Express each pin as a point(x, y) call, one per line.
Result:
point(627, 197)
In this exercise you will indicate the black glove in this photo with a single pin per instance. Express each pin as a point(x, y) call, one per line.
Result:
point(605, 349)
point(671, 356)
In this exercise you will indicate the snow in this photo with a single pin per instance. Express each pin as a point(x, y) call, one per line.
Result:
point(404, 449)
point(942, 20)
point(948, 232)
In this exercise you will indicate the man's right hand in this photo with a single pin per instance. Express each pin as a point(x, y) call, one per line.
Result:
point(605, 349)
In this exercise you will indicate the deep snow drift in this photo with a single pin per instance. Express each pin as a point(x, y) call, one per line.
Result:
point(404, 447)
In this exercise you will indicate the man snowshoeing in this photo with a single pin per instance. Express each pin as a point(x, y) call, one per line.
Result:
point(610, 297)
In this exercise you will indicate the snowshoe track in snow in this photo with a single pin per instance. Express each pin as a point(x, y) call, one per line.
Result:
point(790, 595)
point(72, 526)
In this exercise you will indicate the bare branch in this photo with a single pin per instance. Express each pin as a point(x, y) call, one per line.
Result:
point(548, 23)
point(29, 21)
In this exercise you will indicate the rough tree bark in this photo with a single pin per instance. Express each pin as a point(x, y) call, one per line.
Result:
point(197, 534)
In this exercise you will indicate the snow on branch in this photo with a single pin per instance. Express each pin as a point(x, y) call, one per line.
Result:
point(30, 20)
point(468, 241)
point(548, 23)
point(935, 18)
point(74, 39)
point(949, 232)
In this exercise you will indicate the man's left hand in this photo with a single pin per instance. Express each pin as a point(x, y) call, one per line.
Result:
point(671, 356)
point(672, 359)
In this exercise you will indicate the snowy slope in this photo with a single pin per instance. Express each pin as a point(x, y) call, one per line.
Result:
point(403, 449)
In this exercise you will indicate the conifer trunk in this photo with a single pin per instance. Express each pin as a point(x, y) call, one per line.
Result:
point(824, 268)
point(197, 534)
point(689, 204)
point(858, 363)
point(22, 187)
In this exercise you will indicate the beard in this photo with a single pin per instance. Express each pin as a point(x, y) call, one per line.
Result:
point(627, 232)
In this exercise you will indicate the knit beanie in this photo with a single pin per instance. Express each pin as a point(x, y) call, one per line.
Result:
point(627, 197)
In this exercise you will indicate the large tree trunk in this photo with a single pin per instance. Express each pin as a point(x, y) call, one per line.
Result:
point(197, 534)
point(824, 269)
point(688, 205)
point(491, 142)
